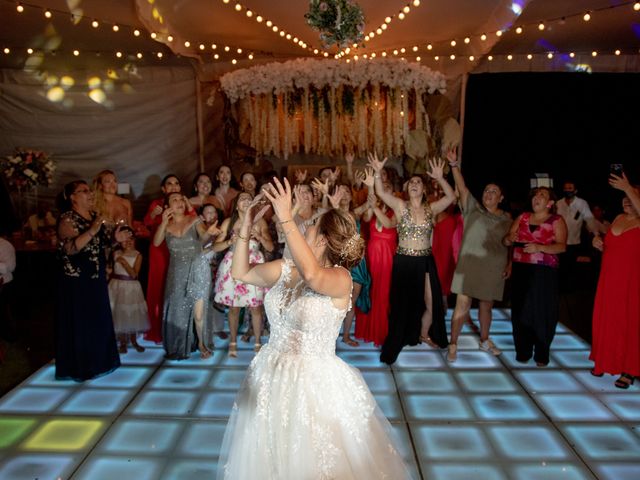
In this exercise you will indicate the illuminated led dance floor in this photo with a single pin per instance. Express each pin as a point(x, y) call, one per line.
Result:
point(483, 417)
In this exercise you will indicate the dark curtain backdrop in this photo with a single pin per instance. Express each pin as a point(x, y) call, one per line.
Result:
point(570, 125)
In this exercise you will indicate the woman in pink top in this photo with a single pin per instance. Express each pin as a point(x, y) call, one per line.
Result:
point(537, 238)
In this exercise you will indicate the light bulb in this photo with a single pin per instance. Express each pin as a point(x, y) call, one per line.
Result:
point(587, 17)
point(115, 28)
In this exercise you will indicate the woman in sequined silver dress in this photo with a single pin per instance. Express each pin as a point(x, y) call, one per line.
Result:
point(188, 278)
point(416, 312)
point(301, 412)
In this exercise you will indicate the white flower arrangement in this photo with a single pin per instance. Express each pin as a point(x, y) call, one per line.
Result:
point(300, 73)
point(27, 169)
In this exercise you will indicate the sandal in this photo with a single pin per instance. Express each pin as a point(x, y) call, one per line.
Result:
point(233, 349)
point(246, 337)
point(204, 352)
point(624, 381)
point(257, 347)
point(593, 372)
point(350, 341)
point(429, 342)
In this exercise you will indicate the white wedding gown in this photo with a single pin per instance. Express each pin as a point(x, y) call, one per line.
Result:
point(301, 412)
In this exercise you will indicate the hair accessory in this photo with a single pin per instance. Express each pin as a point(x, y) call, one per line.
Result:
point(349, 246)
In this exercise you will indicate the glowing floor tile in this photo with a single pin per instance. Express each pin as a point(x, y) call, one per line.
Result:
point(503, 341)
point(201, 439)
point(124, 377)
point(450, 443)
point(379, 381)
point(96, 402)
point(509, 358)
point(606, 442)
point(503, 327)
point(180, 378)
point(537, 381)
point(32, 400)
point(597, 384)
point(412, 381)
point(549, 471)
point(437, 407)
point(30, 467)
point(401, 439)
point(501, 315)
point(479, 382)
point(215, 405)
point(625, 471)
point(144, 437)
point(222, 358)
point(65, 435)
point(227, 378)
point(190, 469)
point(13, 430)
point(431, 359)
point(110, 468)
point(195, 360)
point(572, 359)
point(163, 403)
point(359, 359)
point(569, 341)
point(151, 356)
point(504, 407)
point(467, 342)
point(461, 471)
point(46, 377)
point(528, 442)
point(475, 359)
point(574, 407)
point(390, 406)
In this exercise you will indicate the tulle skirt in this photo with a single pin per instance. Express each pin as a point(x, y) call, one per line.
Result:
point(303, 417)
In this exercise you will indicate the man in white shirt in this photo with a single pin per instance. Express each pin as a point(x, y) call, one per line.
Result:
point(7, 266)
point(575, 212)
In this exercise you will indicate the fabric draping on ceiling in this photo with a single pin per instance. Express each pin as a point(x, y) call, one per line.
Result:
point(146, 128)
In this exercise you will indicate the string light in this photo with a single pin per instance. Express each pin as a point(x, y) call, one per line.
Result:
point(541, 26)
point(587, 17)
point(76, 53)
point(519, 30)
point(95, 24)
point(136, 33)
point(636, 6)
point(617, 52)
point(48, 14)
point(20, 8)
point(115, 28)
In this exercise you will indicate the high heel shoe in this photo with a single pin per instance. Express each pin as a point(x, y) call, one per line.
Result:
point(257, 347)
point(233, 349)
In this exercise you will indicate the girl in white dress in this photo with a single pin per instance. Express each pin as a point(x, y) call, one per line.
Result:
point(301, 412)
point(128, 307)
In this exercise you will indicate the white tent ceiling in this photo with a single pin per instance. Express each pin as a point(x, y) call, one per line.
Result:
point(614, 25)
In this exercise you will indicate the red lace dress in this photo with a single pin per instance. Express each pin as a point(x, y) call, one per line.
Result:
point(616, 312)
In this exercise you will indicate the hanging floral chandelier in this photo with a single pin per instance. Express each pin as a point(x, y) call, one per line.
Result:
point(340, 22)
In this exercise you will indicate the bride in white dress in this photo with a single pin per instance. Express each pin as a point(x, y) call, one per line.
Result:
point(301, 412)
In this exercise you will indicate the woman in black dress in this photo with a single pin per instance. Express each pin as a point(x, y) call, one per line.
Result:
point(85, 340)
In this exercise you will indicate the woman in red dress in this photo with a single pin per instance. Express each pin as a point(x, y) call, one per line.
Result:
point(158, 261)
point(615, 348)
point(381, 247)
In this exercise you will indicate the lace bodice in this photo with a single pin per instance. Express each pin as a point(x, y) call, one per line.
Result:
point(302, 321)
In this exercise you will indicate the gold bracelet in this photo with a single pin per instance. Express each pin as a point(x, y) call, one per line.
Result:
point(286, 221)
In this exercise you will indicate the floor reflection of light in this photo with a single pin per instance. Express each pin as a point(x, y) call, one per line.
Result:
point(192, 469)
point(480, 382)
point(619, 471)
point(147, 437)
point(370, 359)
point(578, 359)
point(121, 468)
point(548, 471)
point(164, 403)
point(379, 381)
point(437, 407)
point(528, 442)
point(607, 442)
point(33, 399)
point(13, 429)
point(573, 407)
point(96, 402)
point(202, 439)
point(475, 359)
point(216, 405)
point(64, 435)
point(568, 342)
point(448, 471)
point(389, 405)
point(450, 442)
point(182, 379)
point(227, 379)
point(624, 406)
point(504, 407)
point(124, 377)
point(549, 381)
point(417, 359)
point(420, 381)
point(30, 467)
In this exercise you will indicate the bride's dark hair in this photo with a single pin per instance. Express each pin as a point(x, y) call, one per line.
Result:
point(345, 247)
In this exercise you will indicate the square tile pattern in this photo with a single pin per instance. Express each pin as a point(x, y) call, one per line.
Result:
point(481, 417)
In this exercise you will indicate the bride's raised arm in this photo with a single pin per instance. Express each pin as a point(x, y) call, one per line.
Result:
point(261, 274)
